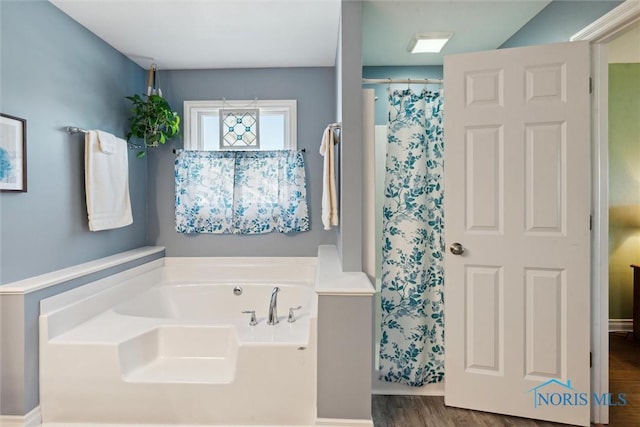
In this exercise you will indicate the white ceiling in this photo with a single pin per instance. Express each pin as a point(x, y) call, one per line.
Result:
point(192, 34)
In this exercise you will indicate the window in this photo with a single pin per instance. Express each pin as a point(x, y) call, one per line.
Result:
point(240, 125)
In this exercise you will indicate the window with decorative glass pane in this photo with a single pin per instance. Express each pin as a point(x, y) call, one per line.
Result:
point(240, 125)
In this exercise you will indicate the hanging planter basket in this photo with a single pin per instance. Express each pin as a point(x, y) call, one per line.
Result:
point(152, 121)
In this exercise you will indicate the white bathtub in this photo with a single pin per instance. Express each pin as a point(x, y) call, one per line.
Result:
point(216, 301)
point(167, 344)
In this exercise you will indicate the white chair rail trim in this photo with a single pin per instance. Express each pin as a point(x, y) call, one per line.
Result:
point(53, 278)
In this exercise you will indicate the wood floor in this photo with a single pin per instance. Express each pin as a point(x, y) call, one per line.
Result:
point(419, 411)
point(624, 377)
point(423, 411)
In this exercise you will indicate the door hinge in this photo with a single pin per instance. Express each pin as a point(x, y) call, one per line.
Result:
point(590, 85)
point(590, 359)
point(590, 222)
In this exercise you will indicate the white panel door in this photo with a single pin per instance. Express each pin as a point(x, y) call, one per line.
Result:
point(517, 198)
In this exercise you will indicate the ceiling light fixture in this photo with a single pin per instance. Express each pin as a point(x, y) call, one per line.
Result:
point(428, 42)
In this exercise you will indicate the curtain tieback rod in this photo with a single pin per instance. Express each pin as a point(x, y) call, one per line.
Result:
point(304, 150)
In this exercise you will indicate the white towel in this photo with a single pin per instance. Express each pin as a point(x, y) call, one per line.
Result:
point(106, 178)
point(329, 196)
point(107, 142)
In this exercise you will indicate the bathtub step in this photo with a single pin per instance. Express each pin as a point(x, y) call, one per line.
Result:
point(184, 370)
point(180, 354)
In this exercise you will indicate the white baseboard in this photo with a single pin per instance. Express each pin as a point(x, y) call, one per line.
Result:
point(620, 325)
point(78, 424)
point(32, 419)
point(320, 422)
point(335, 422)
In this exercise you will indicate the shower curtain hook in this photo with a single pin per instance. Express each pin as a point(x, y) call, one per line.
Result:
point(408, 83)
point(389, 84)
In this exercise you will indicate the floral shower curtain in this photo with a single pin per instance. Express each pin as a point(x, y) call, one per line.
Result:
point(412, 343)
point(240, 192)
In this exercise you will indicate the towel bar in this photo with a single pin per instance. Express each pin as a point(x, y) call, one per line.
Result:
point(73, 129)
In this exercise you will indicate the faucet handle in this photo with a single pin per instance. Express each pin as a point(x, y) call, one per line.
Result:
point(252, 320)
point(291, 317)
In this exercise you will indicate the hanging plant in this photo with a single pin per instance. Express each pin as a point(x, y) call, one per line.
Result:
point(152, 121)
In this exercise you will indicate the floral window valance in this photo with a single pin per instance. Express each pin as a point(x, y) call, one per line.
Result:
point(240, 192)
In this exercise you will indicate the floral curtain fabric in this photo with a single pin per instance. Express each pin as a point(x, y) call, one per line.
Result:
point(240, 192)
point(412, 343)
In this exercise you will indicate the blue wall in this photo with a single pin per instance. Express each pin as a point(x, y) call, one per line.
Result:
point(559, 21)
point(399, 72)
point(313, 88)
point(55, 73)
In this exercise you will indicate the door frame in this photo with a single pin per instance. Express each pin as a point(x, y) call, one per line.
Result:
point(599, 34)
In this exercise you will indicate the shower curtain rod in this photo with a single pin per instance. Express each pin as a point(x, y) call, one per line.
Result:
point(402, 81)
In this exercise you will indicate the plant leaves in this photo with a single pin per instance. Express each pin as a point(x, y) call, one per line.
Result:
point(152, 120)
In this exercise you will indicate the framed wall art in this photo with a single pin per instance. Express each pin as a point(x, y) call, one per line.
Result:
point(13, 153)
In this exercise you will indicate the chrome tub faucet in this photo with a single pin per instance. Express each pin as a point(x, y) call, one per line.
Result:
point(273, 307)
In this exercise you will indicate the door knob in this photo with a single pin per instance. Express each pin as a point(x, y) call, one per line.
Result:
point(456, 248)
